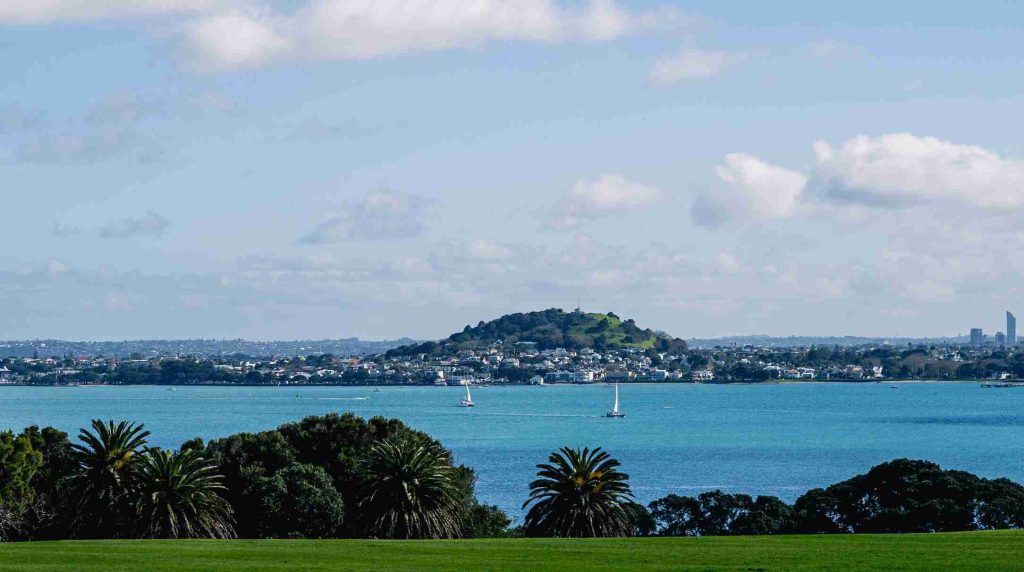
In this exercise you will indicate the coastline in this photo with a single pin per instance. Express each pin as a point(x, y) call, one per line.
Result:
point(596, 383)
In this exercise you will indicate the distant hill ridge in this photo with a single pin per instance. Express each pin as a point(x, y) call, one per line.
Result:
point(552, 328)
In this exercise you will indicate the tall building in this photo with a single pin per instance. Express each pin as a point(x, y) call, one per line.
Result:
point(1000, 339)
point(1011, 329)
point(977, 336)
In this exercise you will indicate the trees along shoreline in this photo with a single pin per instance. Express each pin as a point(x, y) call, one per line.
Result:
point(341, 476)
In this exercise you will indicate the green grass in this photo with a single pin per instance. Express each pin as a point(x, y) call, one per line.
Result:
point(1001, 550)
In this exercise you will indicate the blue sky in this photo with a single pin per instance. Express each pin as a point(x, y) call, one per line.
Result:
point(327, 168)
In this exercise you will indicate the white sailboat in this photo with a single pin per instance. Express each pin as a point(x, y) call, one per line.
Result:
point(467, 401)
point(615, 410)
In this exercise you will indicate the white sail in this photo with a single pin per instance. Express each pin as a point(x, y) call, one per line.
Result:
point(469, 398)
point(616, 408)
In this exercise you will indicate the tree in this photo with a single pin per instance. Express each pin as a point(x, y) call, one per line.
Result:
point(409, 492)
point(179, 497)
point(478, 520)
point(50, 514)
point(716, 513)
point(485, 521)
point(104, 480)
point(243, 459)
point(19, 462)
point(579, 493)
point(297, 502)
point(340, 444)
point(912, 496)
point(676, 515)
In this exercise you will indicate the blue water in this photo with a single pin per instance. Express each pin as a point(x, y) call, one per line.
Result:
point(758, 439)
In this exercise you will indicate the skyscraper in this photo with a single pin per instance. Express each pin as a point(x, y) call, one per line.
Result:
point(977, 337)
point(1011, 329)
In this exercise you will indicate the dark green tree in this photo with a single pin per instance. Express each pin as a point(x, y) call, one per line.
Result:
point(299, 501)
point(409, 492)
point(105, 479)
point(912, 496)
point(579, 493)
point(178, 496)
point(19, 463)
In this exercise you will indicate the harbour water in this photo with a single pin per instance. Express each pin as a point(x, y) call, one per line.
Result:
point(758, 439)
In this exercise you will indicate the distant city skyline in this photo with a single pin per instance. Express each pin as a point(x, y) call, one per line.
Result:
point(328, 169)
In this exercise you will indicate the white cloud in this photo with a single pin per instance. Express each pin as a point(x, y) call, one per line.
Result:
point(380, 215)
point(607, 194)
point(692, 65)
point(31, 12)
point(151, 225)
point(753, 189)
point(892, 171)
point(484, 249)
point(902, 168)
point(362, 29)
point(232, 34)
point(234, 40)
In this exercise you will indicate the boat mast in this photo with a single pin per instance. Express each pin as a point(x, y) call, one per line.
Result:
point(616, 408)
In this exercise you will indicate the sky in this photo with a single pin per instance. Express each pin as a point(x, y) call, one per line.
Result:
point(383, 168)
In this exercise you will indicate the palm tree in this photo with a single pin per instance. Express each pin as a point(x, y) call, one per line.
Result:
point(579, 494)
point(104, 478)
point(410, 492)
point(179, 497)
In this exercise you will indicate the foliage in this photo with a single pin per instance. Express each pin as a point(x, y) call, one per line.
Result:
point(106, 461)
point(579, 493)
point(19, 462)
point(299, 501)
point(410, 492)
point(243, 459)
point(716, 513)
point(179, 497)
point(292, 481)
point(549, 329)
point(335, 443)
point(912, 496)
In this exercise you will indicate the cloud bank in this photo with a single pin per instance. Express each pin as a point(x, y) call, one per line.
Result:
point(891, 171)
point(380, 215)
point(608, 194)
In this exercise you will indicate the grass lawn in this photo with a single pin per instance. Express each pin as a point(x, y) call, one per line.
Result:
point(1002, 550)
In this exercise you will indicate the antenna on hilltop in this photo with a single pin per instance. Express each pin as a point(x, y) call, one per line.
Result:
point(578, 305)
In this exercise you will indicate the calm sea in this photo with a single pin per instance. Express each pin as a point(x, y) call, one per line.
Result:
point(758, 439)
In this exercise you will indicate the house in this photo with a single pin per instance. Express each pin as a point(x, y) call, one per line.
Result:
point(618, 376)
point(702, 375)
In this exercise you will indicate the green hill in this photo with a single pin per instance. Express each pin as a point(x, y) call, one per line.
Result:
point(549, 329)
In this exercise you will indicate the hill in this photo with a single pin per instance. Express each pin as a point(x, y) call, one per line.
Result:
point(549, 329)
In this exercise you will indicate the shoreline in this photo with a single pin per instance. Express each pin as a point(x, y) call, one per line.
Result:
point(625, 383)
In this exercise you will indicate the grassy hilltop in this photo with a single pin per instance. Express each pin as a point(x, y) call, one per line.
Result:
point(999, 550)
point(552, 328)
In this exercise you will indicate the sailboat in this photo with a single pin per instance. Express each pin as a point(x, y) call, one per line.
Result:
point(615, 410)
point(467, 401)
